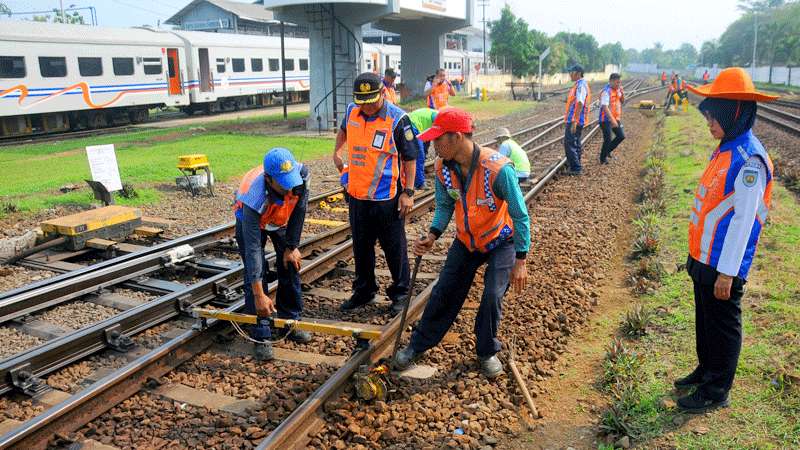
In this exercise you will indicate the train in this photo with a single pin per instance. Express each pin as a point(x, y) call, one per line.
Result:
point(58, 78)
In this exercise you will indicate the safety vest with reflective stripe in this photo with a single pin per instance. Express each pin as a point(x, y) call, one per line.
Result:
point(439, 96)
point(615, 98)
point(390, 93)
point(482, 219)
point(572, 102)
point(714, 203)
point(253, 193)
point(706, 76)
point(372, 158)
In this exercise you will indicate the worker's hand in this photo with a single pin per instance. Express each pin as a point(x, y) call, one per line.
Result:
point(574, 127)
point(722, 288)
point(338, 161)
point(265, 307)
point(614, 123)
point(292, 257)
point(519, 276)
point(404, 204)
point(424, 245)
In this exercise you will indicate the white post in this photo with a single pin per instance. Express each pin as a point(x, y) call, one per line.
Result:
point(755, 44)
point(541, 58)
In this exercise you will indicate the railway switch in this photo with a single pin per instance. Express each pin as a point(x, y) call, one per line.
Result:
point(108, 222)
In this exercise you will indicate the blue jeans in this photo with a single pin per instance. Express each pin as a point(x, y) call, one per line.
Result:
point(572, 147)
point(289, 298)
point(451, 290)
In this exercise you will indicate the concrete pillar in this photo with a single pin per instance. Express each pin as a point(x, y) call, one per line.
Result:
point(421, 54)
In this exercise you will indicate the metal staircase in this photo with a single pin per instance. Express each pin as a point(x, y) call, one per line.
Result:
point(344, 62)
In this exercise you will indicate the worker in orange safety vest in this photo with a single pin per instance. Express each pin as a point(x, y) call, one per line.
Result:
point(438, 90)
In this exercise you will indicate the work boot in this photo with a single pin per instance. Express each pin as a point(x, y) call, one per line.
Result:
point(398, 304)
point(574, 173)
point(697, 402)
point(356, 302)
point(300, 336)
point(689, 381)
point(405, 357)
point(491, 366)
point(263, 351)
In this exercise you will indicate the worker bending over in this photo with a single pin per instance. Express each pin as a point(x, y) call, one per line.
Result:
point(379, 179)
point(271, 202)
point(480, 186)
point(438, 90)
point(510, 149)
point(611, 100)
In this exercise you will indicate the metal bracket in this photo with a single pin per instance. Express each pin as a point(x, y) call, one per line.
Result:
point(361, 344)
point(223, 292)
point(178, 255)
point(117, 340)
point(23, 379)
point(184, 304)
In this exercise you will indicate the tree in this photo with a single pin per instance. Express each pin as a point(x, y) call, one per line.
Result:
point(4, 9)
point(511, 41)
point(613, 54)
point(73, 17)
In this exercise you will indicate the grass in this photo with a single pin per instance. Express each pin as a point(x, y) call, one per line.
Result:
point(761, 415)
point(32, 173)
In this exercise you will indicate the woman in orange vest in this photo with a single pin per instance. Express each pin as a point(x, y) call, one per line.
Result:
point(271, 203)
point(480, 187)
point(729, 212)
point(439, 90)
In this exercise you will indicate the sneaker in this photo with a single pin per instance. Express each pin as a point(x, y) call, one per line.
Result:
point(697, 402)
point(300, 336)
point(405, 357)
point(689, 381)
point(399, 304)
point(356, 302)
point(491, 366)
point(263, 352)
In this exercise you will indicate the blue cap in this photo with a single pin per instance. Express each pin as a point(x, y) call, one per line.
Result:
point(279, 163)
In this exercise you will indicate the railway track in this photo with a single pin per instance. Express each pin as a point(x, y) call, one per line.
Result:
point(324, 251)
point(782, 119)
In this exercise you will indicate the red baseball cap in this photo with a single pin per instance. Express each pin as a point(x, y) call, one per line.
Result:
point(449, 120)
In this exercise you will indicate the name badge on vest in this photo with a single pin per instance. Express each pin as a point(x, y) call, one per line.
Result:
point(378, 139)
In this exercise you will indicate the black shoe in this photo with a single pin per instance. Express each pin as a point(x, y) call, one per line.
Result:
point(697, 402)
point(689, 381)
point(574, 173)
point(356, 302)
point(398, 304)
point(263, 352)
point(603, 161)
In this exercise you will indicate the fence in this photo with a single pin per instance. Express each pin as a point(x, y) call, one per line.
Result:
point(498, 82)
point(789, 76)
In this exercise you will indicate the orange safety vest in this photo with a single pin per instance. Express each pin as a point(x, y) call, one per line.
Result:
point(713, 203)
point(274, 215)
point(615, 99)
point(482, 219)
point(439, 96)
point(572, 103)
point(373, 161)
point(705, 76)
point(664, 76)
point(390, 94)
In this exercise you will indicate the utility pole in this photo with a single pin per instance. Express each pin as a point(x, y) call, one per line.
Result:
point(755, 45)
point(484, 4)
point(283, 70)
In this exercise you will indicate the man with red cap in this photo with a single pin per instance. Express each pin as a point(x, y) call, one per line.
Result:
point(480, 186)
point(729, 211)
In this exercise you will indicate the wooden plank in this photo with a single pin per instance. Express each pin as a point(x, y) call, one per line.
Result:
point(124, 247)
point(157, 221)
point(100, 243)
point(202, 398)
point(147, 231)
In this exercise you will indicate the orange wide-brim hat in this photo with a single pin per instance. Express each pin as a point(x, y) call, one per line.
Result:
point(732, 83)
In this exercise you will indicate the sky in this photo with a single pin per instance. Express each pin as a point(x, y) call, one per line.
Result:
point(637, 24)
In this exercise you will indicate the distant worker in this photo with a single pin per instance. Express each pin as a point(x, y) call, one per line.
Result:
point(438, 90)
point(378, 178)
point(611, 100)
point(730, 210)
point(492, 227)
point(706, 77)
point(271, 202)
point(421, 120)
point(664, 78)
point(389, 88)
point(509, 148)
point(578, 100)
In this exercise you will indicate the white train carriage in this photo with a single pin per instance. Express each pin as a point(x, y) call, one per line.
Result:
point(57, 77)
point(379, 57)
point(233, 71)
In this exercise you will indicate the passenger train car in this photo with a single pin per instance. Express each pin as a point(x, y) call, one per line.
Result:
point(56, 77)
point(457, 64)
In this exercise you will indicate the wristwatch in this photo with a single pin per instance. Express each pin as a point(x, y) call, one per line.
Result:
point(409, 192)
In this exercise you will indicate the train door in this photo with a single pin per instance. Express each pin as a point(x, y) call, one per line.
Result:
point(174, 72)
point(388, 63)
point(205, 71)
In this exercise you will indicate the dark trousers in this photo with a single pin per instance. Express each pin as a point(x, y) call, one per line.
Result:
point(572, 147)
point(609, 143)
point(451, 290)
point(379, 221)
point(289, 298)
point(718, 330)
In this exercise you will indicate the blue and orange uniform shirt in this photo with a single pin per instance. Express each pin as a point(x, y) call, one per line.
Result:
point(580, 92)
point(731, 205)
point(612, 98)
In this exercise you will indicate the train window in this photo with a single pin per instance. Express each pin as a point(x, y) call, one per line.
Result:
point(53, 66)
point(152, 66)
point(303, 64)
point(256, 64)
point(122, 66)
point(220, 65)
point(274, 65)
point(12, 67)
point(288, 64)
point(90, 67)
point(238, 64)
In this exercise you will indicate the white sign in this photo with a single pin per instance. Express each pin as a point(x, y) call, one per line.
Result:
point(544, 54)
point(103, 164)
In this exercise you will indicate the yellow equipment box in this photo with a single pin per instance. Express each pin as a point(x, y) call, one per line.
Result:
point(108, 222)
point(193, 162)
